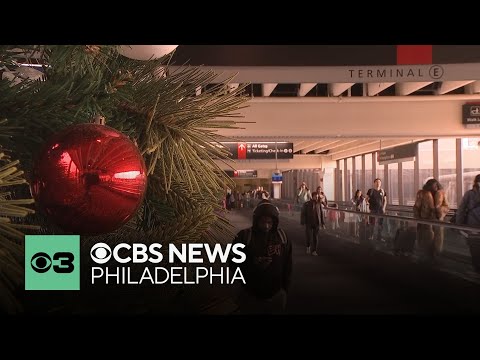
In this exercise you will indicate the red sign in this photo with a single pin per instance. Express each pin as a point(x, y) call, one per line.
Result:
point(242, 151)
point(414, 54)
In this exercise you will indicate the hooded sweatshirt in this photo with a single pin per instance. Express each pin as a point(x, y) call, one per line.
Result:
point(268, 265)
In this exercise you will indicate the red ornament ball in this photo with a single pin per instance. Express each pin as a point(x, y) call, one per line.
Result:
point(89, 179)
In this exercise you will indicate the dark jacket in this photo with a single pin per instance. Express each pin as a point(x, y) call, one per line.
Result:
point(312, 214)
point(468, 212)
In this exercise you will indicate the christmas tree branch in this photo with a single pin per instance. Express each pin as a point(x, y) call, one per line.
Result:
point(172, 116)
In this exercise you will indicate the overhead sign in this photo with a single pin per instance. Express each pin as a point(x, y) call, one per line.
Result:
point(471, 115)
point(260, 150)
point(242, 173)
point(397, 154)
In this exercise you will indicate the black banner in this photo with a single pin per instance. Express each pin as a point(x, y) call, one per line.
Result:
point(317, 55)
point(259, 150)
point(397, 154)
point(471, 114)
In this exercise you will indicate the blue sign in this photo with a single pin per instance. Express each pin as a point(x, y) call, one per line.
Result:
point(277, 177)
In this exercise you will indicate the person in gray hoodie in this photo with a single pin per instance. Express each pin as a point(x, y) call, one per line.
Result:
point(468, 213)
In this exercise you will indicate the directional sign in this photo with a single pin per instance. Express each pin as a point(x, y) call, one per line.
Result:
point(260, 150)
point(242, 150)
point(397, 154)
point(471, 114)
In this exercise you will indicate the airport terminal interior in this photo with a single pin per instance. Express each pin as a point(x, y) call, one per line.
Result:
point(338, 120)
point(340, 117)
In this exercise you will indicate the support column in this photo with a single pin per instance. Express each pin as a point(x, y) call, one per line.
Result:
point(416, 172)
point(277, 190)
point(436, 169)
point(385, 184)
point(295, 183)
point(400, 184)
point(459, 171)
point(364, 175)
point(354, 177)
point(337, 182)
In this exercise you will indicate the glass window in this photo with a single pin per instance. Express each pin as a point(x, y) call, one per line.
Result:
point(471, 161)
point(392, 189)
point(358, 174)
point(368, 173)
point(348, 189)
point(340, 181)
point(447, 169)
point(328, 182)
point(380, 172)
point(425, 157)
point(409, 192)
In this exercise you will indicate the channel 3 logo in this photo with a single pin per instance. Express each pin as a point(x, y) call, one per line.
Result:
point(52, 262)
point(41, 262)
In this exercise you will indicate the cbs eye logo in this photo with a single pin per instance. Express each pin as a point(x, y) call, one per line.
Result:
point(52, 262)
point(100, 253)
point(41, 262)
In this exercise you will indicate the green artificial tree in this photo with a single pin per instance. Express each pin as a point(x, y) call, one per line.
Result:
point(174, 128)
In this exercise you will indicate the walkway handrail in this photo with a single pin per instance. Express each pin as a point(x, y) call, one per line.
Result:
point(404, 218)
point(290, 206)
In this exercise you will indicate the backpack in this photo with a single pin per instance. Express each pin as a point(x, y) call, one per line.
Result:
point(280, 232)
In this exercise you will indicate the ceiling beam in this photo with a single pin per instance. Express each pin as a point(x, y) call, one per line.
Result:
point(406, 88)
point(337, 89)
point(326, 146)
point(275, 117)
point(376, 88)
point(353, 146)
point(336, 144)
point(448, 86)
point(305, 88)
point(268, 88)
point(297, 145)
point(305, 145)
point(300, 148)
point(313, 146)
point(344, 142)
point(373, 147)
